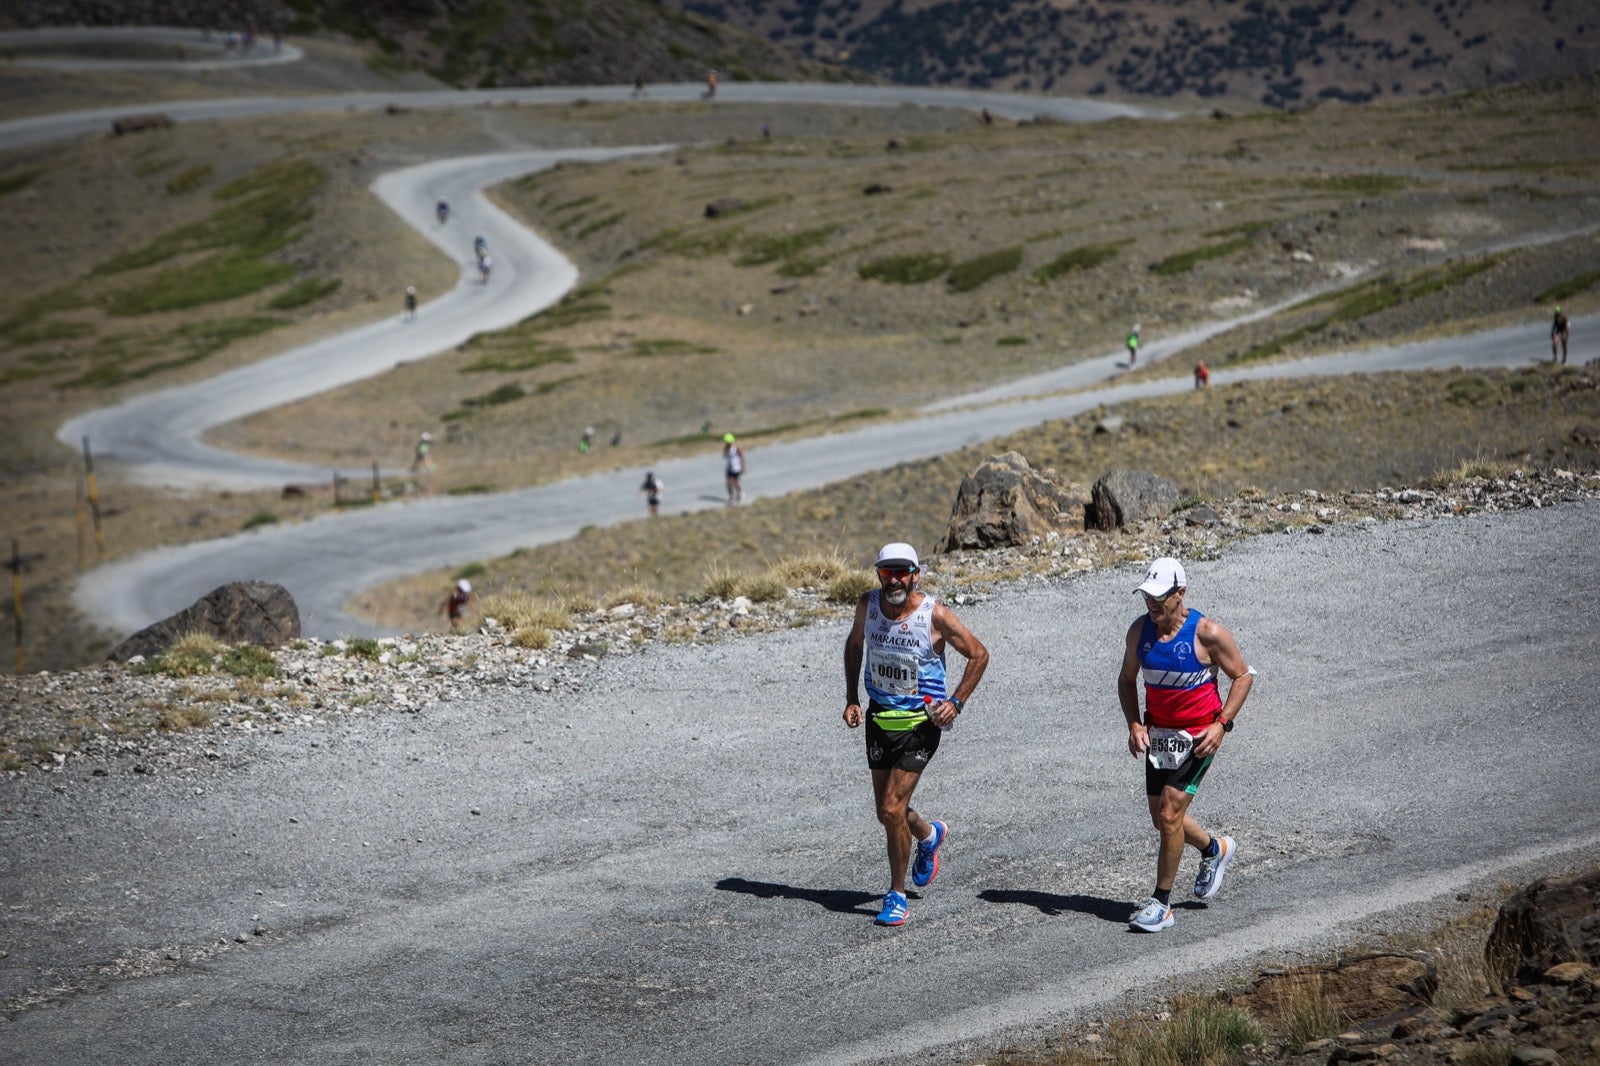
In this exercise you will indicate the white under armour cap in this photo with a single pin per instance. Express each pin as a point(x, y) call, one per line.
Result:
point(464, 585)
point(1164, 575)
point(898, 554)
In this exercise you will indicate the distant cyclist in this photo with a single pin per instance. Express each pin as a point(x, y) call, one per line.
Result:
point(442, 210)
point(1558, 335)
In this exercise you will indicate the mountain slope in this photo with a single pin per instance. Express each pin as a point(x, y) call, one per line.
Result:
point(1255, 51)
point(488, 43)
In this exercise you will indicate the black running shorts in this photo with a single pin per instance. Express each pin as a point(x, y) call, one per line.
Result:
point(911, 749)
point(1185, 778)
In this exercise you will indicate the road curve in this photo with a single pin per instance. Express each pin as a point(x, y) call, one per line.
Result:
point(42, 129)
point(157, 437)
point(198, 49)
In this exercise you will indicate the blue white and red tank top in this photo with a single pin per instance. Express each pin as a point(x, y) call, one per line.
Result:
point(1180, 691)
point(902, 667)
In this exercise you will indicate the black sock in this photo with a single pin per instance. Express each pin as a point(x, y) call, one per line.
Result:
point(1211, 849)
point(1164, 895)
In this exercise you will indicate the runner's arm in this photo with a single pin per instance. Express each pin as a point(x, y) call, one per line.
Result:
point(854, 645)
point(950, 630)
point(1128, 691)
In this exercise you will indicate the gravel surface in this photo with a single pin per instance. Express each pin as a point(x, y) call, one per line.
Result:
point(668, 855)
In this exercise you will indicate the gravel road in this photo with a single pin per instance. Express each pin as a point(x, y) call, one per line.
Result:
point(673, 860)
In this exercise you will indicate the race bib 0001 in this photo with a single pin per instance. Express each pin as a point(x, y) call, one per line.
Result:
point(1169, 748)
point(894, 673)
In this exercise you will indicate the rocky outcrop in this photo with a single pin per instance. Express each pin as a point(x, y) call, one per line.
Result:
point(244, 612)
point(1123, 497)
point(1547, 924)
point(1006, 503)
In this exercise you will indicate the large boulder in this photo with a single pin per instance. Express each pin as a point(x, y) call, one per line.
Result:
point(243, 612)
point(1550, 922)
point(1126, 496)
point(1006, 502)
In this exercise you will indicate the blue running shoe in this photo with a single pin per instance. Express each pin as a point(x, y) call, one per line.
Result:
point(1152, 917)
point(894, 909)
point(925, 864)
point(1209, 880)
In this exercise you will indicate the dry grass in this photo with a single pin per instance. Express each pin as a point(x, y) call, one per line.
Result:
point(1270, 437)
point(758, 321)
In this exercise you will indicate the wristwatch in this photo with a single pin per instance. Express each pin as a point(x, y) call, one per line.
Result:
point(959, 705)
point(1227, 724)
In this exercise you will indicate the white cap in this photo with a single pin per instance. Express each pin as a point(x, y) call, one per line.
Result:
point(1164, 575)
point(464, 585)
point(427, 436)
point(412, 289)
point(904, 554)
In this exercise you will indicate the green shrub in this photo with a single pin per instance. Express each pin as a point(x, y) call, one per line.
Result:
point(1086, 257)
point(1470, 390)
point(762, 249)
point(1011, 340)
point(179, 664)
point(17, 180)
point(1185, 261)
point(470, 570)
point(260, 518)
point(507, 393)
point(669, 346)
point(308, 291)
point(189, 180)
point(964, 277)
point(249, 660)
point(362, 648)
point(211, 280)
point(906, 269)
point(511, 353)
point(1568, 289)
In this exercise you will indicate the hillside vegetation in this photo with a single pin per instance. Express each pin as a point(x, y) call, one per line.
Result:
point(1281, 55)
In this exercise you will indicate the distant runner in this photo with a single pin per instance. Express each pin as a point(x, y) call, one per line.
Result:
point(442, 210)
point(652, 492)
point(711, 85)
point(1558, 334)
point(1133, 346)
point(411, 302)
point(732, 467)
point(455, 605)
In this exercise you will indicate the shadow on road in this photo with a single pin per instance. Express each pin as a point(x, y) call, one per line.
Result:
point(1109, 910)
point(834, 899)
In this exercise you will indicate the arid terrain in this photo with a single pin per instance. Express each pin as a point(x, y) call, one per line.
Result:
point(774, 317)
